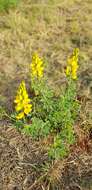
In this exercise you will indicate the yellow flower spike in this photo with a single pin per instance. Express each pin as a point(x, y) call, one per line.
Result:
point(36, 66)
point(22, 101)
point(72, 64)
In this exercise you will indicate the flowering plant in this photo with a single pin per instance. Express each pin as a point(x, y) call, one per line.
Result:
point(23, 102)
point(49, 114)
point(37, 67)
point(72, 64)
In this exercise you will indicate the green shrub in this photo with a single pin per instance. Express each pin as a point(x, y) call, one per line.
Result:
point(37, 129)
point(46, 113)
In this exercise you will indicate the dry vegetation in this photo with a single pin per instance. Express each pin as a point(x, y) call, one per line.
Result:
point(53, 28)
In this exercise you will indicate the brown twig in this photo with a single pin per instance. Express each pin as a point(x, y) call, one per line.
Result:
point(37, 181)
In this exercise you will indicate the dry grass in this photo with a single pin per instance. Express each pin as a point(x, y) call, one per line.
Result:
point(51, 28)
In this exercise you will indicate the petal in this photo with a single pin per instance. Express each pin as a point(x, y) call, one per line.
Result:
point(68, 70)
point(28, 109)
point(19, 107)
point(20, 115)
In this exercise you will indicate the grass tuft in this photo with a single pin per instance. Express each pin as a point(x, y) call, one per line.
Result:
point(6, 4)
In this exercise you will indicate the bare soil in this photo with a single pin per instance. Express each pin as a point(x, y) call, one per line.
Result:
point(21, 162)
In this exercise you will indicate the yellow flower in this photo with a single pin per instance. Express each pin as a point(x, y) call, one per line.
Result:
point(20, 115)
point(22, 101)
point(37, 68)
point(72, 64)
point(68, 70)
point(27, 109)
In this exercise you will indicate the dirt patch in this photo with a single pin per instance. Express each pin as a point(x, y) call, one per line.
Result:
point(21, 162)
point(18, 159)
